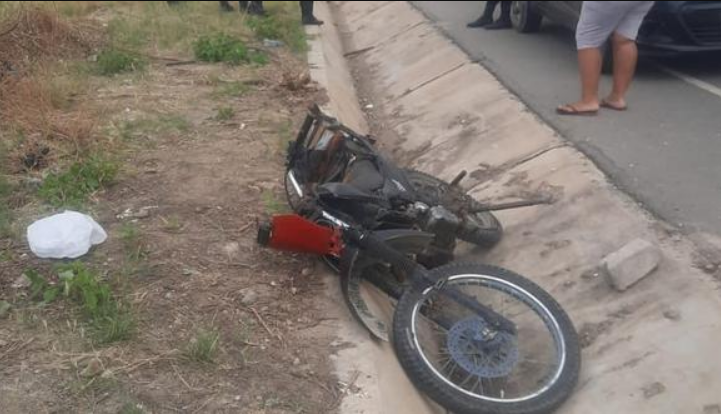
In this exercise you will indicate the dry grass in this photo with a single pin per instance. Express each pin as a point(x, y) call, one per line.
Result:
point(39, 128)
point(31, 34)
point(37, 109)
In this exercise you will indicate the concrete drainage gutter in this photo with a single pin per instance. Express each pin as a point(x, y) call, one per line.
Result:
point(650, 349)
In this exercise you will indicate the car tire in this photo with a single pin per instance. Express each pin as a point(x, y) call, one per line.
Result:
point(525, 19)
point(607, 67)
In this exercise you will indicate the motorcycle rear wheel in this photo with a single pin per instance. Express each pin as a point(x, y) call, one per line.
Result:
point(482, 229)
point(531, 371)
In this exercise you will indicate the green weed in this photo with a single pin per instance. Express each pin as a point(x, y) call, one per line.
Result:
point(172, 224)
point(225, 113)
point(273, 204)
point(160, 125)
point(113, 61)
point(285, 135)
point(73, 187)
point(231, 89)
point(109, 319)
point(283, 24)
point(221, 47)
point(132, 408)
point(5, 212)
point(133, 245)
point(204, 346)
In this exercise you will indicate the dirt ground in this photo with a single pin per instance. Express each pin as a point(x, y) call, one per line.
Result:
point(203, 183)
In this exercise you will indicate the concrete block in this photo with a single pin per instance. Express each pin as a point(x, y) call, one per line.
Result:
point(631, 263)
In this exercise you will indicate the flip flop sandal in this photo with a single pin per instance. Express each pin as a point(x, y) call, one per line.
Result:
point(606, 105)
point(571, 110)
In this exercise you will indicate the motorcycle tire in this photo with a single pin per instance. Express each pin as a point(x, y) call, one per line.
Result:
point(500, 384)
point(482, 229)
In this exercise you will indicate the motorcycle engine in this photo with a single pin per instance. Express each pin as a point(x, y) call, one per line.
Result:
point(442, 222)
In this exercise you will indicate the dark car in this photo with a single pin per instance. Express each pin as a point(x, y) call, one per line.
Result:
point(671, 28)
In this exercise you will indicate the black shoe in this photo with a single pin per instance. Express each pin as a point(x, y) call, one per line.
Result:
point(312, 21)
point(500, 25)
point(226, 7)
point(480, 22)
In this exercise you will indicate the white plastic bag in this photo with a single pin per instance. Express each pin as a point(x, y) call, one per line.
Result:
point(65, 236)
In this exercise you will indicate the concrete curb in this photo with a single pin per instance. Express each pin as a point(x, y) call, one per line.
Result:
point(369, 366)
point(451, 114)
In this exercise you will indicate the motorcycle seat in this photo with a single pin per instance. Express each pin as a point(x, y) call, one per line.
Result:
point(364, 175)
point(344, 191)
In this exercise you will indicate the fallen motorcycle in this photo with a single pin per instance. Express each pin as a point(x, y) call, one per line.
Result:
point(477, 339)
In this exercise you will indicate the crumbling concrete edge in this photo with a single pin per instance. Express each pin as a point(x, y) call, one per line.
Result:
point(375, 382)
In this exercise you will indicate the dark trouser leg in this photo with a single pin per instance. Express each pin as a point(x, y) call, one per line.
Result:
point(256, 8)
point(306, 9)
point(506, 11)
point(225, 6)
point(487, 16)
point(504, 22)
point(490, 9)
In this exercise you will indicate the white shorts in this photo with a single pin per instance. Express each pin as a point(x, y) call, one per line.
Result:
point(601, 19)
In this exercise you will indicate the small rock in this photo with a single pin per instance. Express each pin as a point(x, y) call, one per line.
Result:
point(274, 284)
point(142, 214)
point(302, 371)
point(631, 263)
point(22, 282)
point(93, 369)
point(232, 250)
point(296, 362)
point(369, 106)
point(710, 268)
point(272, 43)
point(294, 291)
point(569, 284)
point(4, 308)
point(653, 390)
point(168, 295)
point(307, 272)
point(3, 343)
point(248, 297)
point(237, 398)
point(188, 272)
point(672, 315)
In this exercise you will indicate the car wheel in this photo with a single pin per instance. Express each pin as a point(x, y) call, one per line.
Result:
point(607, 67)
point(525, 19)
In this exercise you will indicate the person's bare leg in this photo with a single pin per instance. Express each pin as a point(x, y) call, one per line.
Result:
point(625, 58)
point(590, 61)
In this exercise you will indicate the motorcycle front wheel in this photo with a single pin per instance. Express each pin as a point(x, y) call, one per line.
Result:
point(457, 358)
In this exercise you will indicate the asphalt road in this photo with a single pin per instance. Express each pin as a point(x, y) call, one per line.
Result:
point(665, 151)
